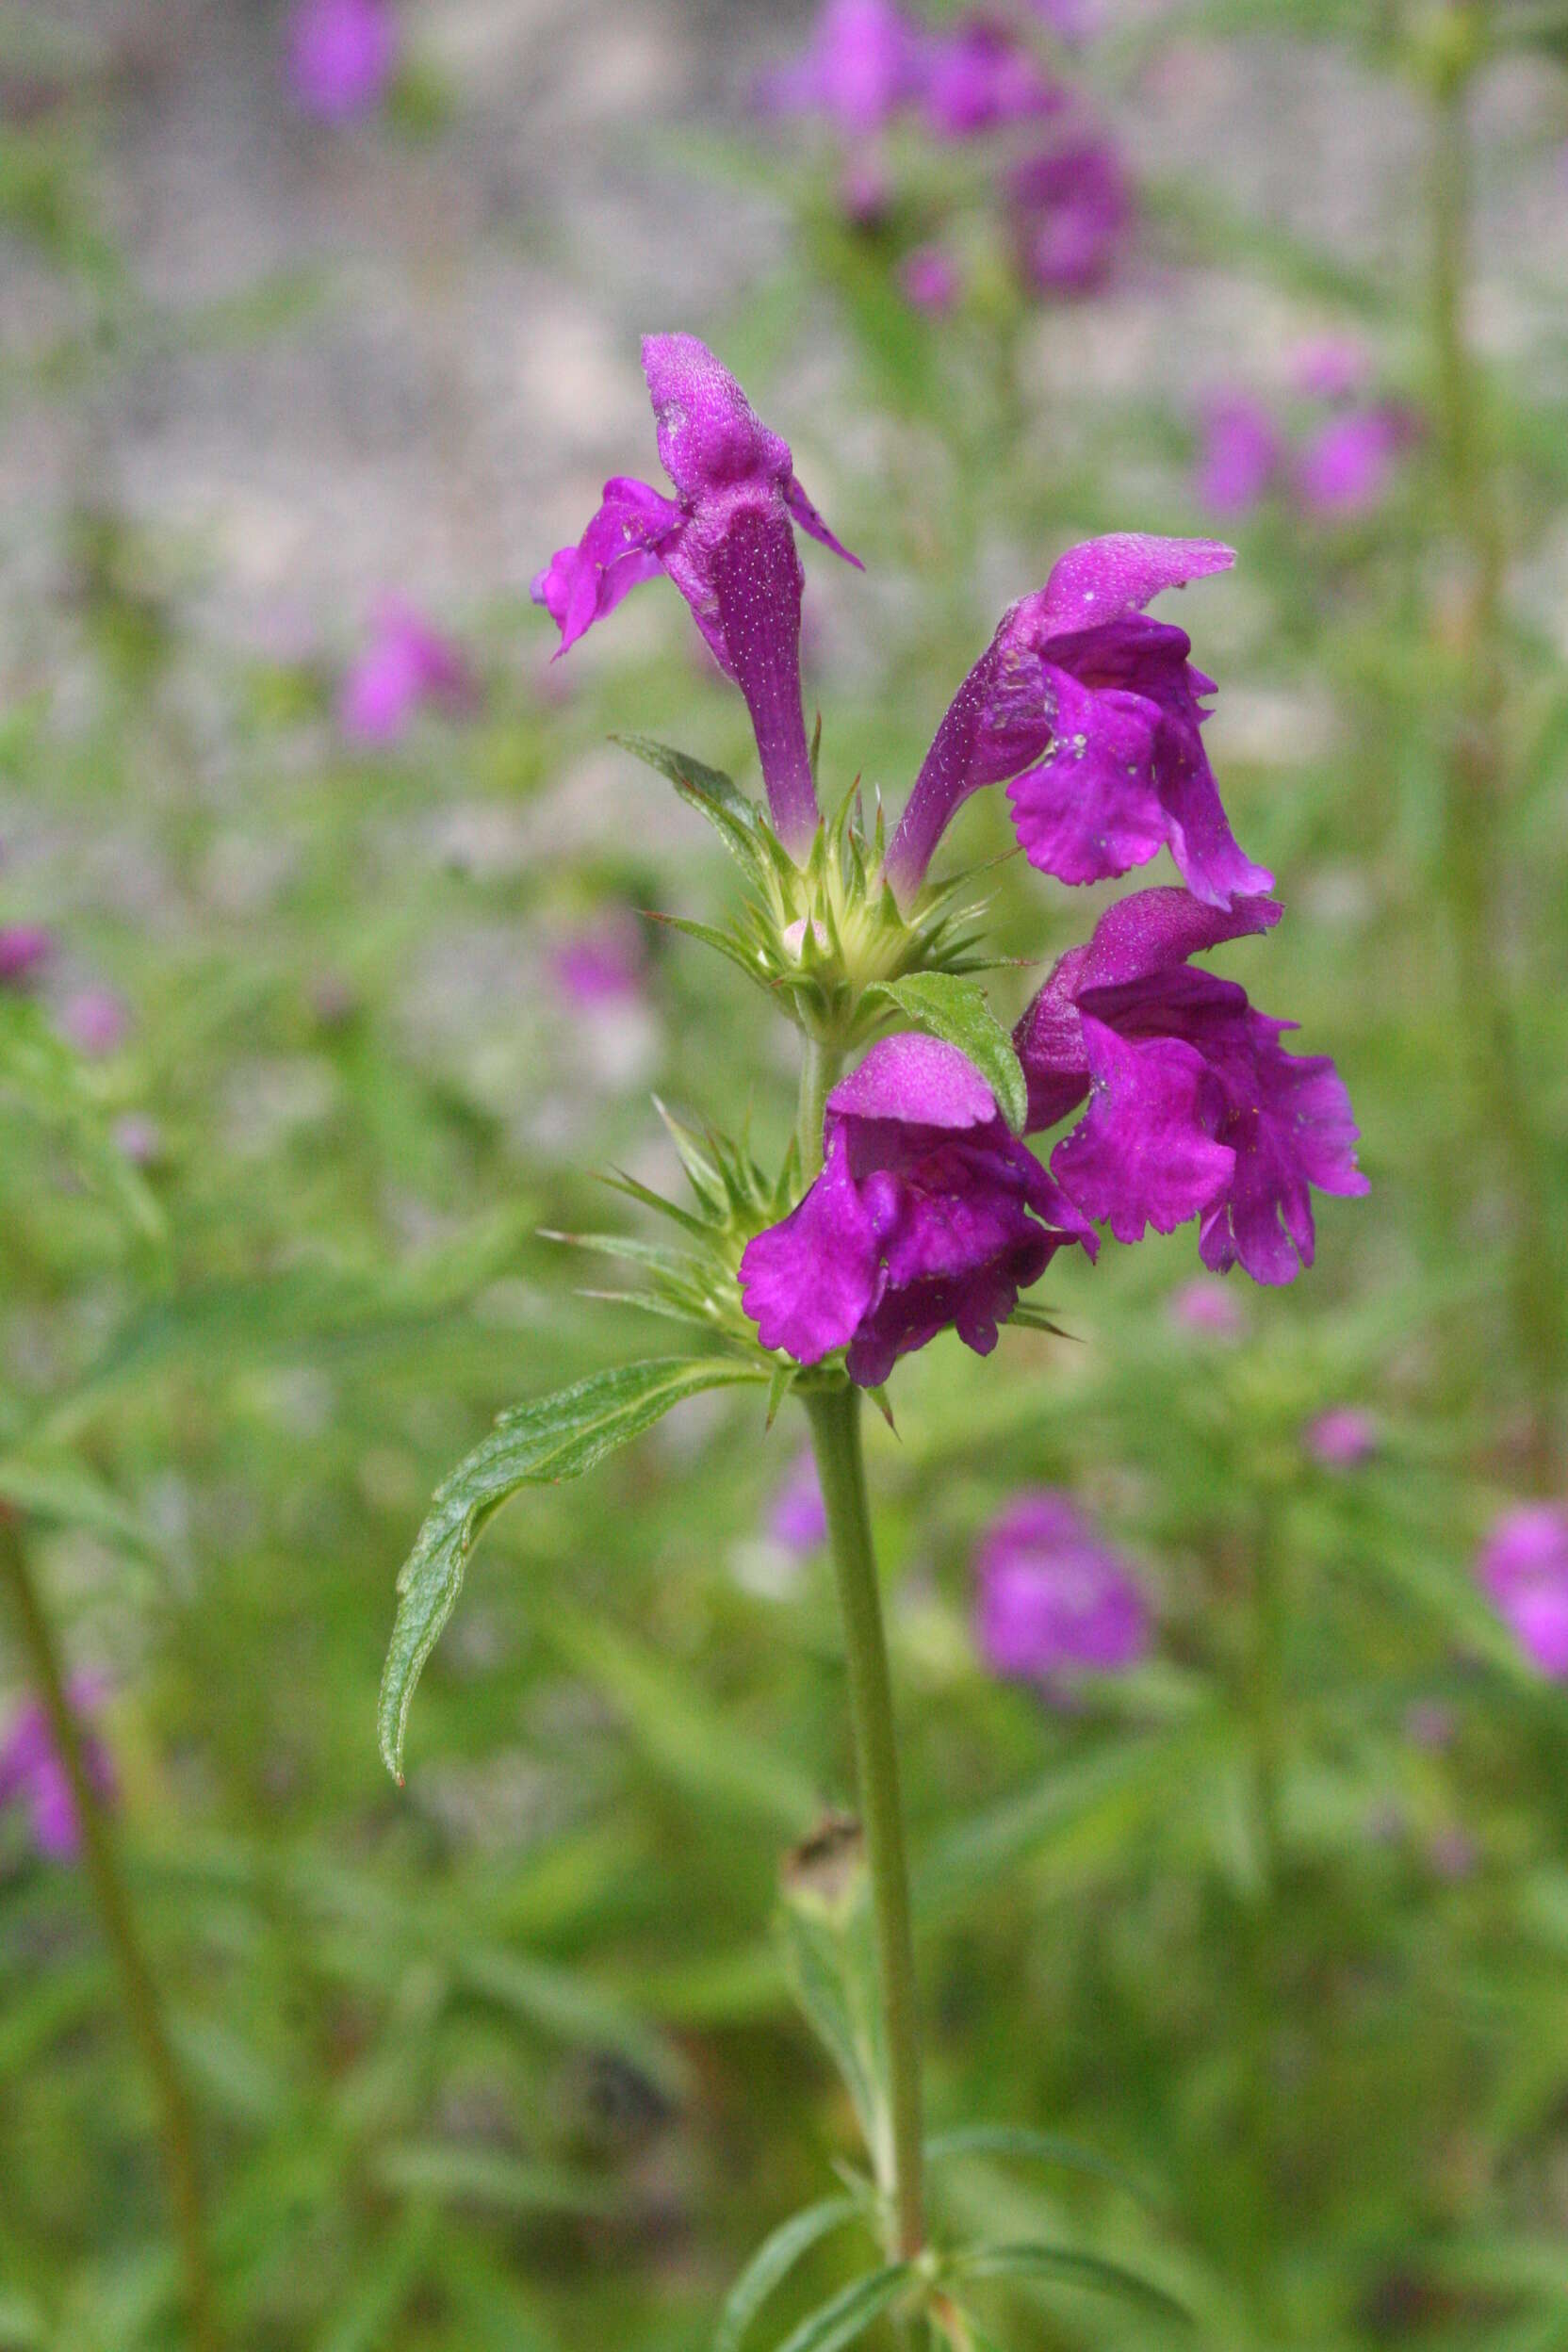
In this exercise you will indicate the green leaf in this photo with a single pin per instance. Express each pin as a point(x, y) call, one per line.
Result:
point(560, 1437)
point(947, 1007)
point(1046, 2147)
point(678, 1732)
point(59, 1491)
point(454, 2175)
point(850, 2312)
point(1069, 2267)
point(772, 2262)
point(713, 795)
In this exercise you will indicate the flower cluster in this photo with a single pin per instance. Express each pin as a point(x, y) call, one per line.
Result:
point(931, 1212)
point(1340, 461)
point(1061, 195)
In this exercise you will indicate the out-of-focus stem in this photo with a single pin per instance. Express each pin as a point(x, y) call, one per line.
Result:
point(118, 1926)
point(1476, 781)
point(835, 1417)
point(819, 1067)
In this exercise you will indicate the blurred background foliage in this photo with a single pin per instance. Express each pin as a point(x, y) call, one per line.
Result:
point(1276, 1922)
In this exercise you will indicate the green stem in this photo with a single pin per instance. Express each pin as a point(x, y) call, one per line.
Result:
point(819, 1067)
point(1477, 783)
point(1261, 1697)
point(118, 1930)
point(835, 1417)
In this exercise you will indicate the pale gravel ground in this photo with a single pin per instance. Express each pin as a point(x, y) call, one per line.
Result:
point(443, 414)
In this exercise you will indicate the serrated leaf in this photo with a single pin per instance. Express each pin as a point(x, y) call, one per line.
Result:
point(559, 1437)
point(713, 795)
point(771, 2263)
point(1069, 2267)
point(847, 2316)
point(947, 1005)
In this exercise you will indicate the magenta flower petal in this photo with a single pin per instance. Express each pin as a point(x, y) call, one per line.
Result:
point(1347, 469)
point(806, 1283)
point(616, 553)
point(928, 1216)
point(797, 1520)
point(1341, 1438)
point(757, 583)
point(1143, 1153)
point(930, 279)
point(31, 1772)
point(1100, 706)
point(1266, 1125)
point(1053, 1599)
point(405, 665)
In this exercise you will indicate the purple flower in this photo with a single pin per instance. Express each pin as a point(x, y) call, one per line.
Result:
point(1093, 710)
point(341, 55)
point(95, 1021)
point(928, 1214)
point(981, 77)
point(726, 541)
point(861, 67)
point(1523, 1571)
point(1239, 453)
point(31, 1771)
point(405, 665)
point(1069, 208)
point(797, 1521)
point(1053, 1599)
point(602, 966)
point(1341, 1438)
point(1206, 1307)
point(1348, 467)
point(1330, 366)
point(24, 946)
point(1194, 1108)
point(930, 279)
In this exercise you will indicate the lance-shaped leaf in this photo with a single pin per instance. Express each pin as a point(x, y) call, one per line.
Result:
point(1069, 2266)
point(773, 2262)
point(949, 1007)
point(712, 794)
point(535, 1444)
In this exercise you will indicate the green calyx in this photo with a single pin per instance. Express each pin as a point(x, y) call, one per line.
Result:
point(826, 937)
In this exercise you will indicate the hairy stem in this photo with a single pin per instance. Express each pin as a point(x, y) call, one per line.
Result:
point(118, 1927)
point(1477, 783)
point(835, 1418)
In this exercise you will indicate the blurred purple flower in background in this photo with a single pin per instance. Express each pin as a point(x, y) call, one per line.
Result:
point(1053, 1599)
point(406, 666)
point(601, 966)
point(1342, 1438)
point(341, 57)
point(1194, 1108)
point(1523, 1571)
point(797, 1521)
point(1069, 208)
point(981, 77)
point(1330, 366)
point(726, 542)
point(1239, 453)
point(31, 1771)
point(96, 1020)
point(930, 278)
point(1348, 467)
point(861, 66)
point(24, 946)
point(928, 1214)
point(1207, 1307)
